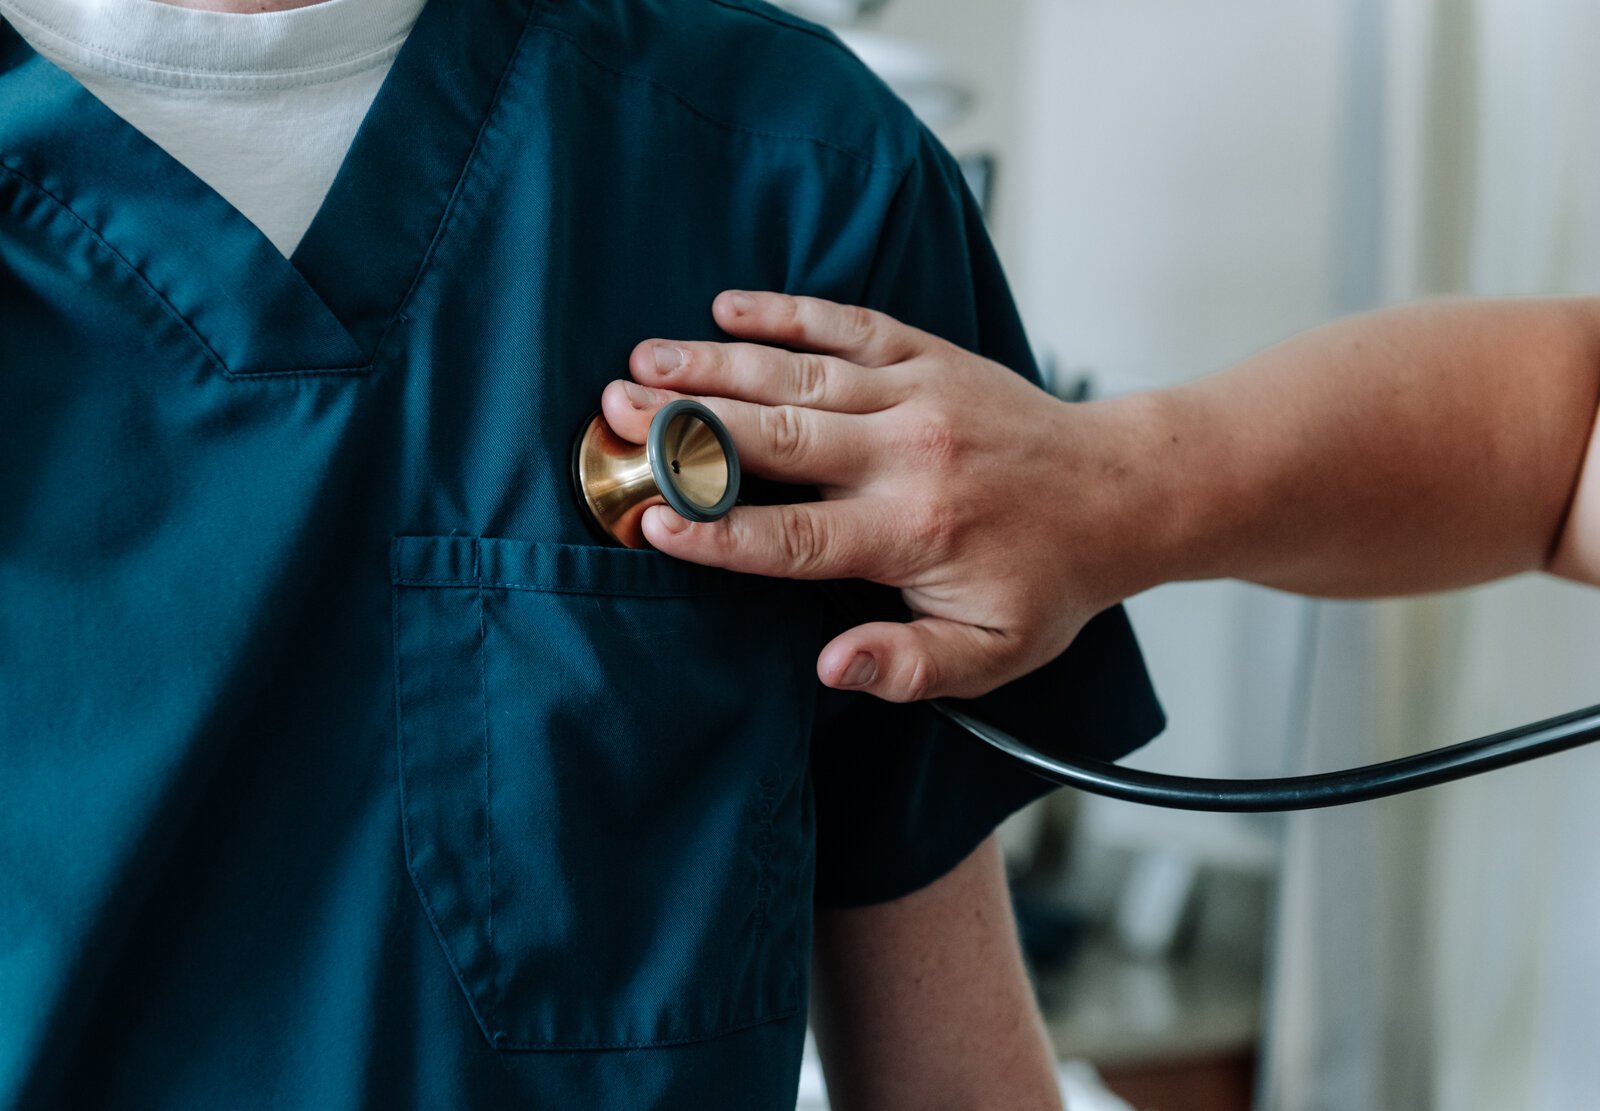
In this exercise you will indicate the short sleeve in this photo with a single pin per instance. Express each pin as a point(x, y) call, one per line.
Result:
point(902, 795)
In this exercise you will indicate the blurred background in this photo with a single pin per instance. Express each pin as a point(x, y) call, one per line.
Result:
point(1174, 185)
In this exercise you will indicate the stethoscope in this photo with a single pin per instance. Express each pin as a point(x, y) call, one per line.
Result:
point(689, 463)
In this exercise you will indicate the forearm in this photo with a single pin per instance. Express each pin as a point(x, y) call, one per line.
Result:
point(922, 1004)
point(1415, 449)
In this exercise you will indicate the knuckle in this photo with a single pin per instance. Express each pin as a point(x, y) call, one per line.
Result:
point(810, 383)
point(784, 432)
point(859, 325)
point(732, 536)
point(801, 539)
point(939, 523)
point(937, 440)
point(924, 678)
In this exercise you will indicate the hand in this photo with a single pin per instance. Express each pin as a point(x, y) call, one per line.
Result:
point(942, 474)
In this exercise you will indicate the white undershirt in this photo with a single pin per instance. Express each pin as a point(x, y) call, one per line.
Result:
point(260, 107)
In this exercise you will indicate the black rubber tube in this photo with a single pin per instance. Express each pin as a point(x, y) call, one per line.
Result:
point(1304, 792)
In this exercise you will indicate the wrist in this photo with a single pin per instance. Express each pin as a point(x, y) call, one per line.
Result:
point(1156, 500)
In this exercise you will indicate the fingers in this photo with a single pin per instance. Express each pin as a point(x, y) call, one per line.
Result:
point(864, 337)
point(629, 407)
point(766, 375)
point(851, 538)
point(784, 442)
point(926, 658)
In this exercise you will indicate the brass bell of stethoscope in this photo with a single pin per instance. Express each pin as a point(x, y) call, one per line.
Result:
point(689, 462)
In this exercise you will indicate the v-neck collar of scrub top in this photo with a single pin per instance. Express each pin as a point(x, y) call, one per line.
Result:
point(326, 309)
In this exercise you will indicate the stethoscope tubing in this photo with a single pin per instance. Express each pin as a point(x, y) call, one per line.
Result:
point(1304, 792)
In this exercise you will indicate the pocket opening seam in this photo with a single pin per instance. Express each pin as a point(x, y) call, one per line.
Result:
point(483, 703)
point(501, 1042)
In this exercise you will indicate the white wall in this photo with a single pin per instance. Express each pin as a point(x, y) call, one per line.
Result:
point(1180, 179)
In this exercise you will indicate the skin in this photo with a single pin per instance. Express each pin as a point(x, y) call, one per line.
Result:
point(922, 1004)
point(1421, 448)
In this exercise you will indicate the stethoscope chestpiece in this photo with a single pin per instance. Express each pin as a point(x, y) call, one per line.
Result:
point(688, 462)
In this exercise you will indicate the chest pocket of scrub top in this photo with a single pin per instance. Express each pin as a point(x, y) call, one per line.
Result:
point(601, 759)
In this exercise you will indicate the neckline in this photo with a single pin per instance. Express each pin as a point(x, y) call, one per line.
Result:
point(326, 309)
point(162, 44)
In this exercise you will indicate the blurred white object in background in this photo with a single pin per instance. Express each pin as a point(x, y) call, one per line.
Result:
point(1081, 1089)
point(1155, 903)
point(833, 11)
point(918, 77)
point(813, 1092)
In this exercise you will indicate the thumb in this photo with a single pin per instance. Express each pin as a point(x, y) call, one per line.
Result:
point(931, 657)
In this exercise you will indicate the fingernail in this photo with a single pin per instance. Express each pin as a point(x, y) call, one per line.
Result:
point(639, 396)
point(742, 303)
point(862, 670)
point(668, 359)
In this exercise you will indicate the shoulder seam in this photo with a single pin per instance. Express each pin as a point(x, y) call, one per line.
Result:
point(695, 109)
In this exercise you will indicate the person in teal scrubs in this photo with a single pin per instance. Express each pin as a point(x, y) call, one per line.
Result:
point(339, 766)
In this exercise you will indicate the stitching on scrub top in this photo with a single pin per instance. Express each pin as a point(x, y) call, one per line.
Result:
point(398, 314)
point(144, 280)
point(483, 706)
point(557, 588)
point(468, 167)
point(650, 1043)
point(696, 110)
point(417, 884)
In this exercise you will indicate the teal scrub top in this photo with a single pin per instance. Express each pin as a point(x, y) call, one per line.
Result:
point(339, 767)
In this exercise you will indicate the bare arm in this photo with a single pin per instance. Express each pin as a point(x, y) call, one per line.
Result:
point(1420, 448)
point(1415, 449)
point(922, 1004)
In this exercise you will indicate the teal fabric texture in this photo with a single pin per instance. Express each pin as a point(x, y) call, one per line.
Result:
point(339, 767)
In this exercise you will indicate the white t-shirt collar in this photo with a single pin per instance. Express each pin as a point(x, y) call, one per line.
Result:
point(159, 43)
